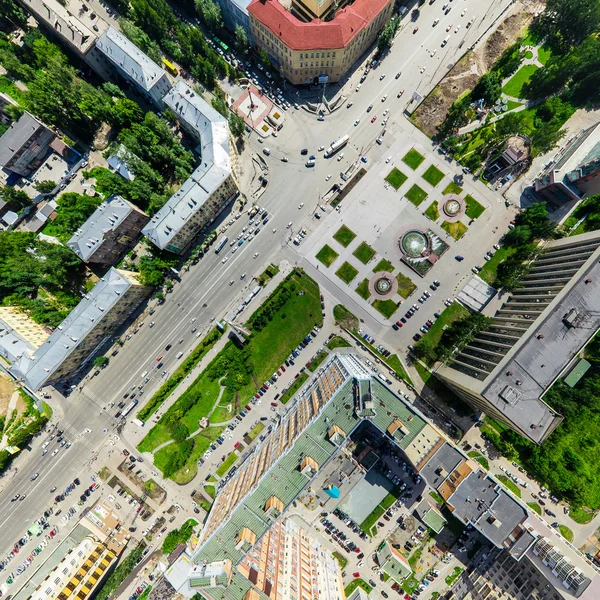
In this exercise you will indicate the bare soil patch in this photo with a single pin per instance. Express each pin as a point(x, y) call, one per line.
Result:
point(465, 74)
point(6, 391)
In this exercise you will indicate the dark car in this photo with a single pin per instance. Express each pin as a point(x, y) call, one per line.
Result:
point(459, 258)
point(304, 151)
point(417, 337)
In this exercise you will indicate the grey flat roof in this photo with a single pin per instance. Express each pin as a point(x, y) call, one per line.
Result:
point(215, 166)
point(128, 57)
point(483, 502)
point(537, 363)
point(108, 216)
point(17, 135)
point(74, 329)
point(12, 345)
point(446, 459)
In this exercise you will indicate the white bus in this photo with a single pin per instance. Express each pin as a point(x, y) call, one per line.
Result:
point(336, 146)
point(129, 408)
point(221, 244)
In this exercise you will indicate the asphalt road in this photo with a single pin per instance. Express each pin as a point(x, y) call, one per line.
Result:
point(204, 291)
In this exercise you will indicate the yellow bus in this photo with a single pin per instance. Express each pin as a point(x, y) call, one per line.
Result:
point(170, 67)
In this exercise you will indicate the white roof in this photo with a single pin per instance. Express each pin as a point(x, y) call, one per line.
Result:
point(107, 217)
point(73, 330)
point(213, 132)
point(129, 58)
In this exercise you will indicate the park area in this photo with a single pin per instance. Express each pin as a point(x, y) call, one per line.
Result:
point(233, 377)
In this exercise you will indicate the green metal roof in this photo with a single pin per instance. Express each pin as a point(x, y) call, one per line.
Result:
point(577, 372)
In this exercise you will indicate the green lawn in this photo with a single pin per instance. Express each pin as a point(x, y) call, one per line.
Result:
point(454, 312)
point(278, 326)
point(363, 289)
point(364, 253)
point(346, 272)
point(435, 495)
point(337, 341)
point(8, 87)
point(433, 175)
point(432, 212)
point(227, 464)
point(394, 362)
point(511, 105)
point(450, 579)
point(514, 86)
point(534, 506)
point(343, 316)
point(566, 533)
point(386, 307)
point(473, 208)
point(529, 54)
point(405, 286)
point(327, 255)
point(256, 431)
point(489, 272)
point(416, 195)
point(396, 178)
point(361, 583)
point(344, 235)
point(482, 460)
point(413, 159)
point(342, 560)
point(455, 229)
point(383, 265)
point(509, 484)
point(294, 388)
point(581, 515)
point(532, 39)
point(211, 491)
point(317, 360)
point(544, 54)
point(452, 188)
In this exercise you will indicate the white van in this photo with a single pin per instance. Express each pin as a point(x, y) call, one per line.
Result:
point(144, 374)
point(179, 355)
point(445, 40)
point(266, 151)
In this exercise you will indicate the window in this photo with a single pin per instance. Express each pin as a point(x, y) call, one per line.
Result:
point(57, 581)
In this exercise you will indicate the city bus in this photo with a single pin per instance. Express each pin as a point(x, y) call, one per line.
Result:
point(129, 408)
point(221, 244)
point(170, 67)
point(223, 45)
point(336, 146)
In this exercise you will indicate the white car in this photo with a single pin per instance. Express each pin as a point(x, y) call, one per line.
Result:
point(356, 122)
point(388, 159)
point(384, 98)
point(385, 112)
point(255, 255)
point(328, 177)
point(436, 21)
point(358, 87)
point(382, 77)
point(433, 53)
point(340, 156)
point(457, 28)
point(463, 13)
point(301, 206)
point(224, 260)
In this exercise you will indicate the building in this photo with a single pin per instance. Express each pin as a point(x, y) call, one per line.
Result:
point(112, 230)
point(134, 66)
point(83, 333)
point(393, 563)
point(211, 186)
point(430, 516)
point(305, 47)
point(24, 146)
point(291, 557)
point(235, 12)
point(239, 554)
point(535, 336)
point(358, 594)
point(19, 335)
point(575, 172)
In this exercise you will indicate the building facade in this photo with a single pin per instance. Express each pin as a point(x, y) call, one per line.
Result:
point(210, 187)
point(24, 146)
point(290, 561)
point(83, 333)
point(575, 172)
point(134, 66)
point(112, 230)
point(536, 334)
point(309, 51)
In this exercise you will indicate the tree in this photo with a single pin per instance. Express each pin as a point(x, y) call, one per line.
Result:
point(100, 361)
point(237, 125)
point(72, 212)
point(386, 37)
point(141, 39)
point(241, 40)
point(264, 58)
point(11, 15)
point(180, 433)
point(545, 138)
point(488, 88)
point(16, 199)
point(536, 218)
point(569, 22)
point(210, 12)
point(519, 236)
point(45, 187)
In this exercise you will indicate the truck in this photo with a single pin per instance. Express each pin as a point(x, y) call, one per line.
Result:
point(337, 145)
point(221, 244)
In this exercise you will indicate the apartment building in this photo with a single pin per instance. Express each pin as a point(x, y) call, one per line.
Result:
point(392, 562)
point(79, 338)
point(291, 561)
point(24, 146)
point(19, 334)
point(134, 66)
point(112, 230)
point(306, 48)
point(210, 187)
point(534, 338)
point(575, 172)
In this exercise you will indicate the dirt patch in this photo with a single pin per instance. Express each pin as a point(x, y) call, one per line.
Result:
point(150, 487)
point(6, 391)
point(465, 74)
point(21, 406)
point(103, 136)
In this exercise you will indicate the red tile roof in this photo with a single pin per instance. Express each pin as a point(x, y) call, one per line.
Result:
point(316, 35)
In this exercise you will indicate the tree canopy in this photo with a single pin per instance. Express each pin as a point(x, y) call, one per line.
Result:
point(72, 212)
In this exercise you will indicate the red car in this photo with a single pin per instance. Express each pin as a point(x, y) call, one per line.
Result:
point(274, 404)
point(399, 324)
point(283, 368)
point(356, 574)
point(374, 119)
point(159, 357)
